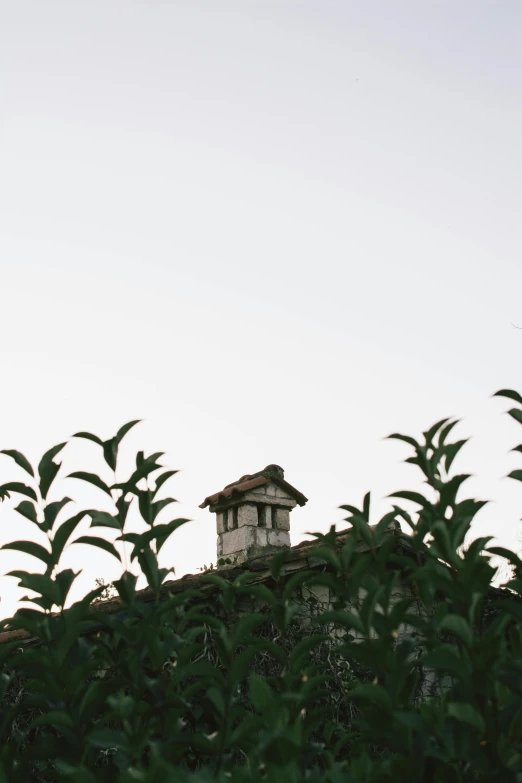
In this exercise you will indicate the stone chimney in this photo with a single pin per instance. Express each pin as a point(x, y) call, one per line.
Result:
point(253, 514)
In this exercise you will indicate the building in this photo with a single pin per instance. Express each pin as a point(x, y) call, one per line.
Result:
point(252, 525)
point(253, 514)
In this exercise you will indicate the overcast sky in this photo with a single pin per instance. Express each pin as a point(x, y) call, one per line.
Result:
point(275, 231)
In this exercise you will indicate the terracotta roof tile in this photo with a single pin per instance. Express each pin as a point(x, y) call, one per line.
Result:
point(271, 474)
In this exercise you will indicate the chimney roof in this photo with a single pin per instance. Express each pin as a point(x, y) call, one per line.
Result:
point(272, 474)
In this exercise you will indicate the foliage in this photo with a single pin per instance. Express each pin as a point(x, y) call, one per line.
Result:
point(108, 590)
point(389, 658)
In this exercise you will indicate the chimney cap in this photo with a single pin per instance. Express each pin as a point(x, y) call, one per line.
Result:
point(271, 474)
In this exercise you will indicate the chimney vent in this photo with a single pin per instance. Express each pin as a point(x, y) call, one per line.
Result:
point(253, 514)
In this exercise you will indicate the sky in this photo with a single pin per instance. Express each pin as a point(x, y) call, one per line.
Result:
point(273, 231)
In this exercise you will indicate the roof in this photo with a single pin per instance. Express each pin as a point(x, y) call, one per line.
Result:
point(298, 558)
point(272, 474)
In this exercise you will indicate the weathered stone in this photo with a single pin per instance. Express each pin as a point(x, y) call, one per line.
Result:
point(278, 538)
point(251, 497)
point(280, 493)
point(261, 537)
point(282, 519)
point(247, 515)
point(255, 521)
point(234, 541)
point(255, 495)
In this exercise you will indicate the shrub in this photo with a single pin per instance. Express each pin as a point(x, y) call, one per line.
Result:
point(412, 671)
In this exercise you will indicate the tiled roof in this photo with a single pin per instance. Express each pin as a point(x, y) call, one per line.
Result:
point(298, 557)
point(272, 474)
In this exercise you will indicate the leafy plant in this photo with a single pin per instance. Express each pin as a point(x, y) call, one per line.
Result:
point(384, 656)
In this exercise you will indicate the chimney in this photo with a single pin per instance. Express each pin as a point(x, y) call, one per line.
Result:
point(253, 514)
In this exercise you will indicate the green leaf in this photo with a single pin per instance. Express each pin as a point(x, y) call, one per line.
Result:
point(163, 478)
point(374, 694)
point(261, 592)
point(149, 565)
point(328, 554)
point(446, 658)
point(458, 626)
point(72, 772)
point(125, 429)
point(30, 548)
point(38, 583)
point(27, 510)
point(430, 434)
point(260, 693)
point(368, 606)
point(405, 438)
point(48, 469)
point(123, 509)
point(89, 436)
point(344, 619)
point(103, 519)
point(163, 532)
point(510, 556)
point(277, 564)
point(451, 452)
point(466, 713)
point(352, 510)
point(442, 540)
point(52, 510)
point(366, 507)
point(448, 492)
point(100, 543)
point(126, 587)
point(21, 489)
point(91, 478)
point(52, 718)
point(110, 447)
point(216, 697)
point(159, 505)
point(295, 581)
point(363, 530)
point(305, 646)
point(214, 579)
point(147, 466)
point(414, 497)
point(516, 414)
point(445, 431)
point(63, 533)
point(515, 474)
point(20, 460)
point(159, 533)
point(511, 608)
point(107, 738)
point(510, 394)
point(64, 581)
point(244, 627)
point(280, 751)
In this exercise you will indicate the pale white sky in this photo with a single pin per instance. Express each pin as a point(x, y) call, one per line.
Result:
point(276, 231)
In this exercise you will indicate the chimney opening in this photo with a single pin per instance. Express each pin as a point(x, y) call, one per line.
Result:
point(261, 515)
point(234, 518)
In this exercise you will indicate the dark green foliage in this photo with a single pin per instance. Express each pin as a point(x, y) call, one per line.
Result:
point(385, 657)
